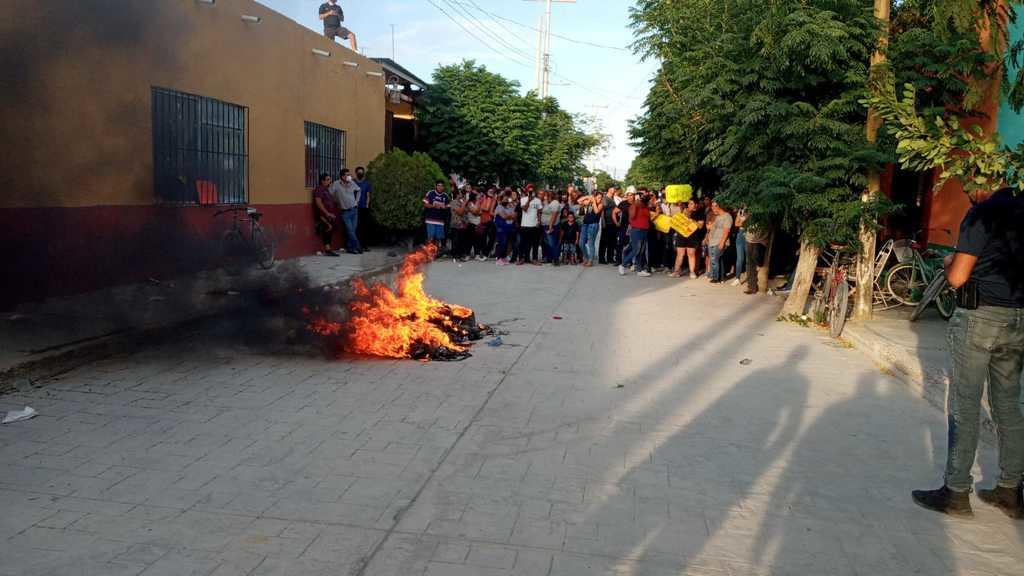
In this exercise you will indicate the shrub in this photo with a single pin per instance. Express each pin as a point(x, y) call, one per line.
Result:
point(399, 182)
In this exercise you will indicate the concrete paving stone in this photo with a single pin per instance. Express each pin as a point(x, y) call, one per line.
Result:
point(344, 544)
point(536, 533)
point(445, 569)
point(90, 505)
point(17, 517)
point(263, 545)
point(302, 567)
point(16, 449)
point(451, 551)
point(238, 502)
point(183, 563)
point(144, 554)
point(301, 529)
point(61, 519)
point(326, 512)
point(173, 497)
point(491, 556)
point(373, 491)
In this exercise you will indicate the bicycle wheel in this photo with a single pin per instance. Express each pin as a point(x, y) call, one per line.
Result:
point(946, 301)
point(822, 300)
point(839, 308)
point(233, 248)
point(905, 283)
point(932, 292)
point(264, 247)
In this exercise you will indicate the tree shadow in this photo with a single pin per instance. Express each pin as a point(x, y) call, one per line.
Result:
point(862, 512)
point(715, 463)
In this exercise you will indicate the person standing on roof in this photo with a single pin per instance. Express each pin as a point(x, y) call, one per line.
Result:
point(332, 16)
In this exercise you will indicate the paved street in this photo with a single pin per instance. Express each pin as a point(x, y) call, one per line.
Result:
point(627, 436)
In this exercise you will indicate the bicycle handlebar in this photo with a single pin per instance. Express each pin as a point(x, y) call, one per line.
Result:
point(226, 210)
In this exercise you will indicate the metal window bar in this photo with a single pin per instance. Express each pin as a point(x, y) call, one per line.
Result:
point(325, 152)
point(198, 139)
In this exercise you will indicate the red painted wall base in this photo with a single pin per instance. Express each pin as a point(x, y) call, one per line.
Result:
point(62, 251)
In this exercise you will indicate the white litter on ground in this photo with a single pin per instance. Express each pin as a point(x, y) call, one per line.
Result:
point(19, 415)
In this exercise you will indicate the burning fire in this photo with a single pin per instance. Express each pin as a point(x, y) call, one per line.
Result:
point(403, 322)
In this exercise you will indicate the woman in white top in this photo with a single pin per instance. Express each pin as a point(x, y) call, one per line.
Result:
point(529, 227)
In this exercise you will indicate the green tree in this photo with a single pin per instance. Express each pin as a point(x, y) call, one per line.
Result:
point(946, 54)
point(399, 182)
point(978, 161)
point(767, 95)
point(603, 181)
point(476, 123)
point(643, 175)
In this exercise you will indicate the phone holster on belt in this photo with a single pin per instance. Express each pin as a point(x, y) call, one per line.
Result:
point(967, 296)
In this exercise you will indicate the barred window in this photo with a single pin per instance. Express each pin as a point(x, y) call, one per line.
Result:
point(200, 149)
point(325, 152)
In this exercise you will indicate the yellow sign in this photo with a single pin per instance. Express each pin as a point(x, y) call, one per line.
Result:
point(678, 193)
point(682, 224)
point(663, 223)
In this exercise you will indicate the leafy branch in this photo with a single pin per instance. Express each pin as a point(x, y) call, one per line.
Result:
point(978, 161)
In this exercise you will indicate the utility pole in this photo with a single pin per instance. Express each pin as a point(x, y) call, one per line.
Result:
point(862, 306)
point(544, 53)
point(540, 55)
point(394, 45)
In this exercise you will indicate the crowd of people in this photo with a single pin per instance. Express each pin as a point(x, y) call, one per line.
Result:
point(615, 227)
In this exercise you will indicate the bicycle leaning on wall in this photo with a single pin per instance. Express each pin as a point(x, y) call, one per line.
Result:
point(920, 273)
point(239, 251)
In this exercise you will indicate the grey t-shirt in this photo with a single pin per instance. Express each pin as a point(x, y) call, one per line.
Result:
point(346, 193)
point(719, 229)
point(550, 209)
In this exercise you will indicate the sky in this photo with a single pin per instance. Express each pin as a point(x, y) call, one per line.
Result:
point(607, 84)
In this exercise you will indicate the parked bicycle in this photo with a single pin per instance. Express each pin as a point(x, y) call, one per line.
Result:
point(908, 281)
point(834, 290)
point(239, 250)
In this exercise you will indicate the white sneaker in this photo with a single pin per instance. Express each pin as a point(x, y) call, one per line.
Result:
point(481, 258)
point(735, 282)
point(622, 270)
point(643, 273)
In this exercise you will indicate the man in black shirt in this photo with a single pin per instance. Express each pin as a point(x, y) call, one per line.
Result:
point(332, 16)
point(610, 252)
point(987, 343)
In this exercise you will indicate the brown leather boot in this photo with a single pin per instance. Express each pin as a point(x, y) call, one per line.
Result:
point(1009, 500)
point(944, 500)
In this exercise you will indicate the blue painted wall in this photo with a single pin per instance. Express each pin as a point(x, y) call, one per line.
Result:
point(1011, 124)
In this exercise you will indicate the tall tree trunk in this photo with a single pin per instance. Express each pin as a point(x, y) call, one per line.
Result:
point(866, 260)
point(764, 270)
point(796, 303)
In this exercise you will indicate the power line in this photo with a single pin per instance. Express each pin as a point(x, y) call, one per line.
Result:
point(566, 38)
point(514, 60)
point(478, 39)
point(483, 28)
point(498, 22)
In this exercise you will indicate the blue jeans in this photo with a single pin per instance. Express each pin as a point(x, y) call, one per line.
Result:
point(435, 232)
point(350, 218)
point(741, 253)
point(637, 249)
point(505, 234)
point(716, 262)
point(986, 344)
point(551, 247)
point(588, 238)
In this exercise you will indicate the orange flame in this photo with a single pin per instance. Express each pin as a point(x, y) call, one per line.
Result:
point(395, 323)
